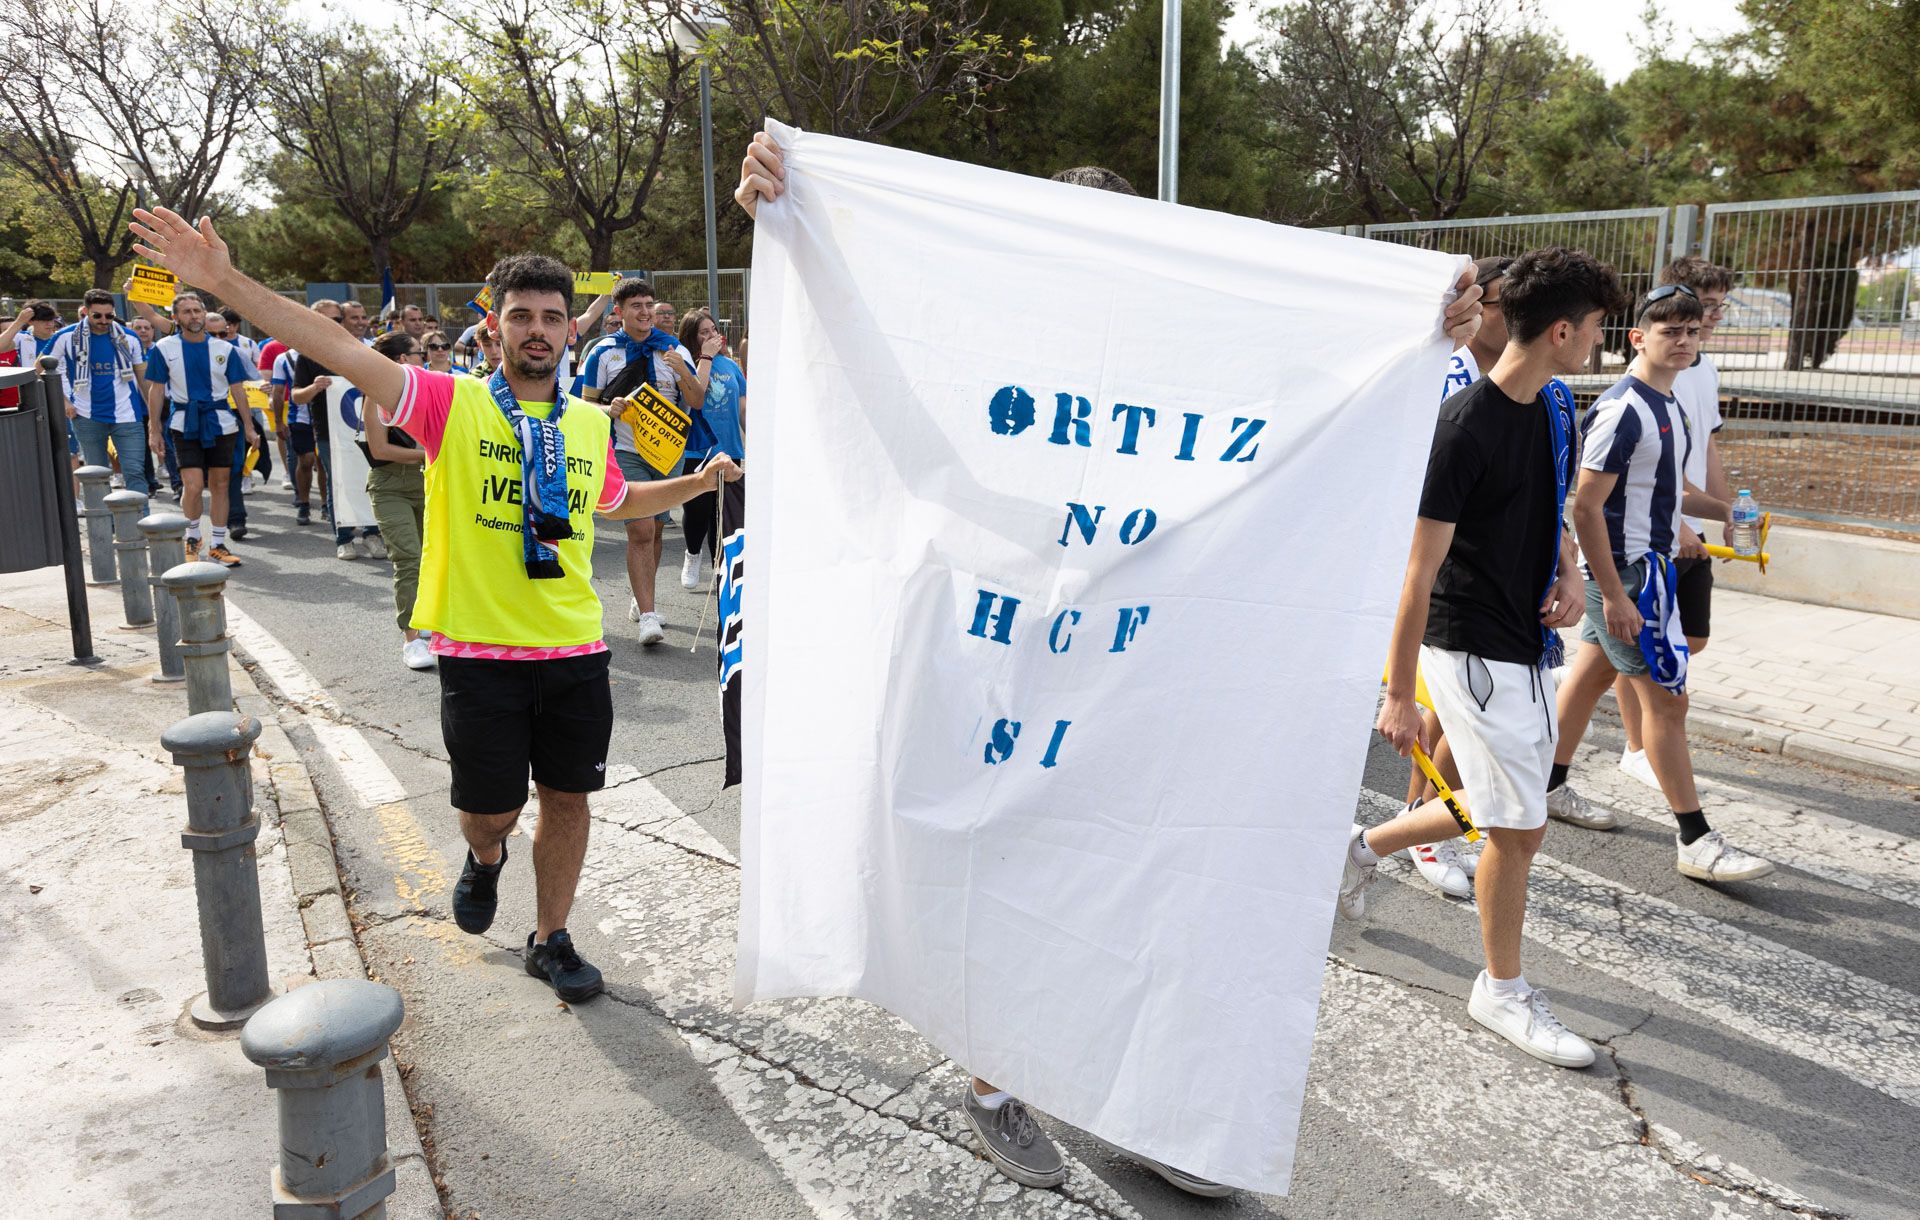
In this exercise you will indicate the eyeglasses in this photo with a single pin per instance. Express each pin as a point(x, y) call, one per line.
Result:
point(439, 347)
point(1666, 290)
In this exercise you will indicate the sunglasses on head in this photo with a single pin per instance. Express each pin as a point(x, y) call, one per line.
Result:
point(1666, 290)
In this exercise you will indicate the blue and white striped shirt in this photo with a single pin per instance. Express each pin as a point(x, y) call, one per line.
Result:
point(1636, 432)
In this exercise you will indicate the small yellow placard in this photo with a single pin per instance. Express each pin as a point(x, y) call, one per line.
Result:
point(152, 286)
point(659, 428)
point(594, 282)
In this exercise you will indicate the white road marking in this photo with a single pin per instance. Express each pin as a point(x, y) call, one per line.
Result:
point(1860, 857)
point(296, 685)
point(1788, 1000)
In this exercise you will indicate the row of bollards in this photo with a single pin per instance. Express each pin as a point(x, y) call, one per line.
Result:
point(321, 1044)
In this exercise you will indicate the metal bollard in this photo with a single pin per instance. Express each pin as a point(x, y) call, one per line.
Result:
point(221, 828)
point(164, 533)
point(197, 589)
point(136, 595)
point(94, 484)
point(322, 1045)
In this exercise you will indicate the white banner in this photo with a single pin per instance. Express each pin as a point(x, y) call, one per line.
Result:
point(1077, 526)
point(351, 507)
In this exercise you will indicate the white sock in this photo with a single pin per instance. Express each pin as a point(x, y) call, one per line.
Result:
point(193, 531)
point(1362, 854)
point(994, 1100)
point(219, 535)
point(1508, 989)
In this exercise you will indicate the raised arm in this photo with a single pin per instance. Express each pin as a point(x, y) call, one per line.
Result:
point(588, 320)
point(14, 328)
point(198, 256)
point(162, 325)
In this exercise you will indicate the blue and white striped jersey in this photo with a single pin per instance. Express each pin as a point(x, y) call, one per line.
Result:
point(1636, 432)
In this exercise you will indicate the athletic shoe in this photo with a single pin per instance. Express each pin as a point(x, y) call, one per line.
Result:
point(346, 550)
point(221, 555)
point(417, 653)
point(1468, 854)
point(1711, 858)
point(1176, 1177)
point(193, 550)
point(238, 533)
point(116, 480)
point(361, 547)
point(302, 515)
point(557, 964)
point(1634, 763)
point(652, 631)
point(374, 545)
point(633, 609)
point(286, 484)
point(1439, 863)
point(477, 893)
point(690, 571)
point(1354, 879)
point(1014, 1142)
point(1528, 1023)
point(1566, 805)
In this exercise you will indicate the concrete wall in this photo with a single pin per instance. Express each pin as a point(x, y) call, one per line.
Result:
point(1832, 569)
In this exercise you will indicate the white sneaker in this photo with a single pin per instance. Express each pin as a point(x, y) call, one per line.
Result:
point(1439, 863)
point(1468, 854)
point(117, 480)
point(417, 653)
point(1566, 805)
point(1354, 879)
point(1634, 763)
point(346, 550)
point(652, 631)
point(375, 546)
point(286, 484)
point(1528, 1023)
point(690, 571)
point(1711, 858)
point(633, 609)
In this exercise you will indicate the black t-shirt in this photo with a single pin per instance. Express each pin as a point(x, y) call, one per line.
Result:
point(304, 371)
point(1490, 473)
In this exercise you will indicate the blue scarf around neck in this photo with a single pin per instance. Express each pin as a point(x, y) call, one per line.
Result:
point(543, 478)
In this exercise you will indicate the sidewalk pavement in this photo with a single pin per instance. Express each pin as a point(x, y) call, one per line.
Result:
point(120, 1105)
point(1831, 686)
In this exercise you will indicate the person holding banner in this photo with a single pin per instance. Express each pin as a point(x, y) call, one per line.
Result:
point(516, 471)
point(312, 382)
point(1490, 578)
point(195, 386)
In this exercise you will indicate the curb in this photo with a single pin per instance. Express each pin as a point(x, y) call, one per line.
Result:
point(1837, 753)
point(330, 938)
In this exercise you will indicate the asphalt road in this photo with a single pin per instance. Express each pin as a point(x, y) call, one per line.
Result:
point(1762, 1042)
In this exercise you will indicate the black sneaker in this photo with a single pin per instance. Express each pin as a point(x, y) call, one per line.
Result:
point(477, 893)
point(302, 515)
point(238, 533)
point(560, 967)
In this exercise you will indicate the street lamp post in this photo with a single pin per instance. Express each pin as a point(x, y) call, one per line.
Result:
point(1170, 100)
point(689, 32)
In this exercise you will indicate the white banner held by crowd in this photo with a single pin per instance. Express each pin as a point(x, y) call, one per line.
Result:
point(345, 405)
point(1077, 526)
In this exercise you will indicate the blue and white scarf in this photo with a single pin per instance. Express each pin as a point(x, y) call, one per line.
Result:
point(543, 478)
point(1559, 403)
point(1662, 640)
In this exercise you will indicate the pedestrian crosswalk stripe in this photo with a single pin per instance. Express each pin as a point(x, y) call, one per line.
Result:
point(1788, 1000)
point(1461, 1123)
point(1848, 853)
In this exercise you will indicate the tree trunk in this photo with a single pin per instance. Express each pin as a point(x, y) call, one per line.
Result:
point(599, 249)
point(106, 271)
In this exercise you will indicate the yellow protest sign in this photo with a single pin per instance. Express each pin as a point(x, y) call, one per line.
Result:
point(593, 283)
point(152, 285)
point(659, 428)
point(260, 398)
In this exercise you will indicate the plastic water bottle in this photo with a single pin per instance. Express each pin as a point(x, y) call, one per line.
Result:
point(1746, 524)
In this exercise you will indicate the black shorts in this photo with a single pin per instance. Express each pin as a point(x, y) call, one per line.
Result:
point(504, 720)
point(300, 438)
point(192, 455)
point(1693, 586)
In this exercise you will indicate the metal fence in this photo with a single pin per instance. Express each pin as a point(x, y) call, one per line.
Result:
point(448, 301)
point(1819, 352)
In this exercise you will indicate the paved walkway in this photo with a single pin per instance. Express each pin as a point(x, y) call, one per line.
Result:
point(120, 1105)
point(1838, 687)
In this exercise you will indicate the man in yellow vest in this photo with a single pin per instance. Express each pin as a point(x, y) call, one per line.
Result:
point(516, 471)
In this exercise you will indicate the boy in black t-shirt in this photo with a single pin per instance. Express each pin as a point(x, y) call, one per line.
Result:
point(1491, 574)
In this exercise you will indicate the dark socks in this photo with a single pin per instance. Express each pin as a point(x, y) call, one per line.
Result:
point(1692, 825)
point(1558, 776)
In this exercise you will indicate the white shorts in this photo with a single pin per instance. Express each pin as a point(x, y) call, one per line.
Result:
point(1501, 723)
